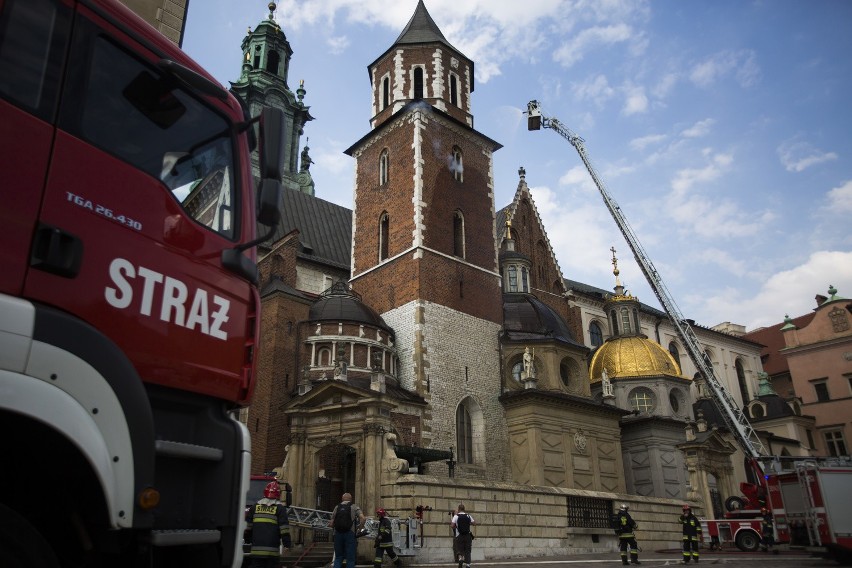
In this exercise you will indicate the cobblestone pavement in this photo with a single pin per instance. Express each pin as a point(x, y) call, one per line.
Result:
point(728, 559)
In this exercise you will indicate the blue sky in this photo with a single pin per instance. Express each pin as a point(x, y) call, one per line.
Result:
point(722, 128)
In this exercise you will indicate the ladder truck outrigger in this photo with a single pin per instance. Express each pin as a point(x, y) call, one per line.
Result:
point(814, 495)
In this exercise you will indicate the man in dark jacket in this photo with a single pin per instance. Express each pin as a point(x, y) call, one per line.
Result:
point(625, 525)
point(461, 523)
point(268, 525)
point(691, 533)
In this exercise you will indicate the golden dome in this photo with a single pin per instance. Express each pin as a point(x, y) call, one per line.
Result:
point(632, 358)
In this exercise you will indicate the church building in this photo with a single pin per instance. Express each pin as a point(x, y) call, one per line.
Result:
point(424, 348)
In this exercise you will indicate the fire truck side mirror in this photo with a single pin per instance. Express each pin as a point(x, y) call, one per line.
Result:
point(270, 202)
point(271, 143)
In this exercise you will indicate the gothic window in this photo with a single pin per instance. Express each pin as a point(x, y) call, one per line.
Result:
point(464, 435)
point(595, 334)
point(384, 230)
point(641, 400)
point(741, 380)
point(625, 321)
point(458, 234)
point(272, 61)
point(383, 167)
point(418, 82)
point(525, 280)
point(513, 279)
point(385, 93)
point(470, 432)
point(835, 444)
point(675, 353)
point(457, 164)
point(454, 90)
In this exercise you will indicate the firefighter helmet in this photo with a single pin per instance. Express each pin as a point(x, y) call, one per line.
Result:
point(763, 510)
point(381, 513)
point(686, 507)
point(272, 491)
point(624, 507)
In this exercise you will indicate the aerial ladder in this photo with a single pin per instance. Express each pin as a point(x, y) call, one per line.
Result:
point(736, 421)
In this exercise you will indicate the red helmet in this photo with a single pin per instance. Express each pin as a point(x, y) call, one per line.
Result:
point(272, 491)
point(686, 507)
point(381, 513)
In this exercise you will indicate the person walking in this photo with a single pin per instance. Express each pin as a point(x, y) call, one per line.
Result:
point(461, 523)
point(691, 533)
point(384, 540)
point(767, 532)
point(269, 527)
point(345, 519)
point(625, 525)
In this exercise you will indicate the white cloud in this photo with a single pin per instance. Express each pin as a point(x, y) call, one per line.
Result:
point(786, 292)
point(686, 178)
point(699, 129)
point(636, 101)
point(337, 45)
point(644, 141)
point(840, 198)
point(742, 64)
point(595, 89)
point(797, 155)
point(573, 50)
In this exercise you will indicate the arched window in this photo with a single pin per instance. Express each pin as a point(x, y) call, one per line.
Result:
point(673, 350)
point(513, 278)
point(383, 167)
point(454, 90)
point(470, 432)
point(464, 435)
point(324, 357)
point(595, 334)
point(384, 231)
point(385, 93)
point(458, 234)
point(569, 372)
point(272, 61)
point(256, 64)
point(614, 322)
point(625, 321)
point(525, 280)
point(457, 164)
point(418, 82)
point(741, 380)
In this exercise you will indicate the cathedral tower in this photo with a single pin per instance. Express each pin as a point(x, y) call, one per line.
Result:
point(423, 249)
point(263, 82)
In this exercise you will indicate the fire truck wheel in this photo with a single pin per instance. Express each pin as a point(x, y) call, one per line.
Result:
point(748, 541)
point(21, 545)
point(734, 503)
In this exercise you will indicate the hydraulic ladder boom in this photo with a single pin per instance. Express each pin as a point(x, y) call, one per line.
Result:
point(736, 420)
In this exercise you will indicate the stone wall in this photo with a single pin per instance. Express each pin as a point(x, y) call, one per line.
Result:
point(514, 520)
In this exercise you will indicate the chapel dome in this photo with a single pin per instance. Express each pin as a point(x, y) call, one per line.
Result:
point(526, 318)
point(339, 304)
point(633, 357)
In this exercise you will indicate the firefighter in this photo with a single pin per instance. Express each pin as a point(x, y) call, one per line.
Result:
point(625, 525)
point(269, 527)
point(767, 533)
point(691, 534)
point(384, 540)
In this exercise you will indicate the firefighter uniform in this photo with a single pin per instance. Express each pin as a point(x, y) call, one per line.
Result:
point(766, 529)
point(625, 525)
point(384, 541)
point(691, 534)
point(269, 526)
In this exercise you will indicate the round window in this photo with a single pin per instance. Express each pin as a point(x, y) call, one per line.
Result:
point(641, 400)
point(518, 370)
point(674, 402)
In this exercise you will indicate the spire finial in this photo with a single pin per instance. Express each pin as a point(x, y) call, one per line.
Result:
point(272, 6)
point(615, 266)
point(300, 92)
point(522, 173)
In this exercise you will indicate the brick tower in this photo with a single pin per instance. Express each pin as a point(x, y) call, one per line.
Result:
point(423, 249)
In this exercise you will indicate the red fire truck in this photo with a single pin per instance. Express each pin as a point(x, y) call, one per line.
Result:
point(128, 292)
point(809, 506)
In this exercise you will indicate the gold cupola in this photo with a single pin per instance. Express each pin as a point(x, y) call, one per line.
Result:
point(628, 353)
